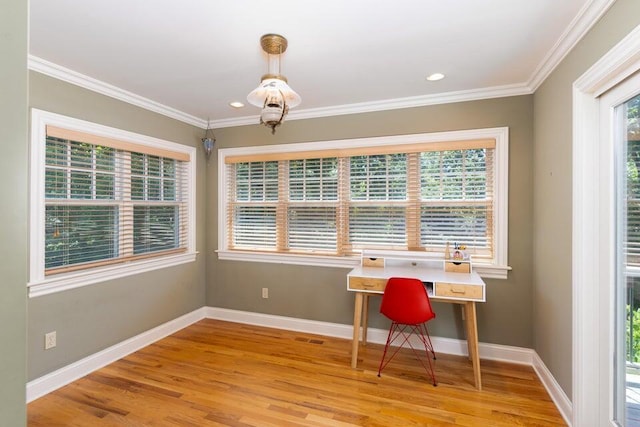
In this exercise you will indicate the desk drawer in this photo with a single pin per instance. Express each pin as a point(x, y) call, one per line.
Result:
point(451, 290)
point(367, 284)
point(457, 267)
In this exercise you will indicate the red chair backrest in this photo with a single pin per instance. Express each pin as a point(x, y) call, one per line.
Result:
point(406, 301)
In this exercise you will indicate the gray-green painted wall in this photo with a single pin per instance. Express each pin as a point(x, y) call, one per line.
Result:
point(92, 318)
point(552, 299)
point(13, 210)
point(320, 293)
point(532, 308)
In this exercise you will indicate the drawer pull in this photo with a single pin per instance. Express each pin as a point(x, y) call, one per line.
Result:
point(458, 291)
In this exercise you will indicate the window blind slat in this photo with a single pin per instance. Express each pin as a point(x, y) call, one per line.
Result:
point(312, 228)
point(105, 205)
point(632, 243)
point(416, 200)
point(254, 227)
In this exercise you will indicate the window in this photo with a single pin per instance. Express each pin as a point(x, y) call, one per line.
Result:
point(105, 203)
point(322, 203)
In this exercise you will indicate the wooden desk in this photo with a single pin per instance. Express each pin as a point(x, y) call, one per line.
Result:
point(457, 288)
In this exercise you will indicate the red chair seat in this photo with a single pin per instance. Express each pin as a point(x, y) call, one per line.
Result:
point(405, 301)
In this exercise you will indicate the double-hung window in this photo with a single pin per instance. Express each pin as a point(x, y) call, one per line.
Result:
point(105, 203)
point(323, 203)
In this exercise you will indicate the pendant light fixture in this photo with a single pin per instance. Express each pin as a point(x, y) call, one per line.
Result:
point(208, 141)
point(273, 95)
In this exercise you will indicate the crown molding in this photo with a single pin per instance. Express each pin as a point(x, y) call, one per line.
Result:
point(65, 74)
point(388, 104)
point(581, 24)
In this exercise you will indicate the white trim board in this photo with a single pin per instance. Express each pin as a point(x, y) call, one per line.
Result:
point(590, 13)
point(497, 267)
point(41, 284)
point(503, 353)
point(63, 376)
point(70, 76)
point(558, 396)
point(523, 356)
point(592, 262)
point(67, 374)
point(59, 72)
point(586, 18)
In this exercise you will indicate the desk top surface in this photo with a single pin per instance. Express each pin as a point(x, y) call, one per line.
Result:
point(424, 274)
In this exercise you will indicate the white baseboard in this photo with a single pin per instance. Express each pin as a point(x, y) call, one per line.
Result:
point(558, 396)
point(523, 356)
point(63, 376)
point(503, 353)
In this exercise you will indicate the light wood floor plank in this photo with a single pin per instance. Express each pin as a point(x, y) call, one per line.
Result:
point(216, 373)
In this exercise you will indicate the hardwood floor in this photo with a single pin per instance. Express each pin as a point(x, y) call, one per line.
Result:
point(216, 373)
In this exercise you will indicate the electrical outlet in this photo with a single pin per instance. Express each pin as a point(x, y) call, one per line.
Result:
point(265, 292)
point(49, 340)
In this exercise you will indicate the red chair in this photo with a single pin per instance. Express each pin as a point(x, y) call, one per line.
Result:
point(406, 302)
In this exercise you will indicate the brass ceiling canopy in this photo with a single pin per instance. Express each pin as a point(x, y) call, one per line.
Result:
point(273, 44)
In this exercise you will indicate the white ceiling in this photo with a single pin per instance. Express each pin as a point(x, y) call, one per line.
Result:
point(188, 59)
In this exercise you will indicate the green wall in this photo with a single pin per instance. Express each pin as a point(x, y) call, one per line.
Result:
point(92, 318)
point(532, 308)
point(13, 210)
point(320, 293)
point(552, 299)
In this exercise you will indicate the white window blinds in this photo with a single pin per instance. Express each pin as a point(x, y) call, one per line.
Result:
point(338, 202)
point(456, 199)
point(632, 241)
point(312, 204)
point(110, 201)
point(377, 201)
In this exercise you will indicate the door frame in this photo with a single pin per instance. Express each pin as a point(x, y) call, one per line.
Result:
point(592, 225)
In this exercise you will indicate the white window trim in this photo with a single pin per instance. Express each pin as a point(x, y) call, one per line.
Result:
point(498, 269)
point(39, 284)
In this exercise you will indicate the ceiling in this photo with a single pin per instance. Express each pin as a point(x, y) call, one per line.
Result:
point(188, 59)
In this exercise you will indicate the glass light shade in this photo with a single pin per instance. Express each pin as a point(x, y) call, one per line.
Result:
point(271, 116)
point(274, 109)
point(258, 96)
point(207, 144)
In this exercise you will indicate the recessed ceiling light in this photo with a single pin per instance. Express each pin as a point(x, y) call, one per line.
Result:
point(236, 104)
point(435, 76)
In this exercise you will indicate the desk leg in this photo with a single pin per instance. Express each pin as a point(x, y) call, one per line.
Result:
point(365, 317)
point(472, 340)
point(357, 317)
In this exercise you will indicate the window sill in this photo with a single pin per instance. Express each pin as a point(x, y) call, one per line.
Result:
point(63, 282)
point(489, 271)
point(486, 271)
point(296, 259)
